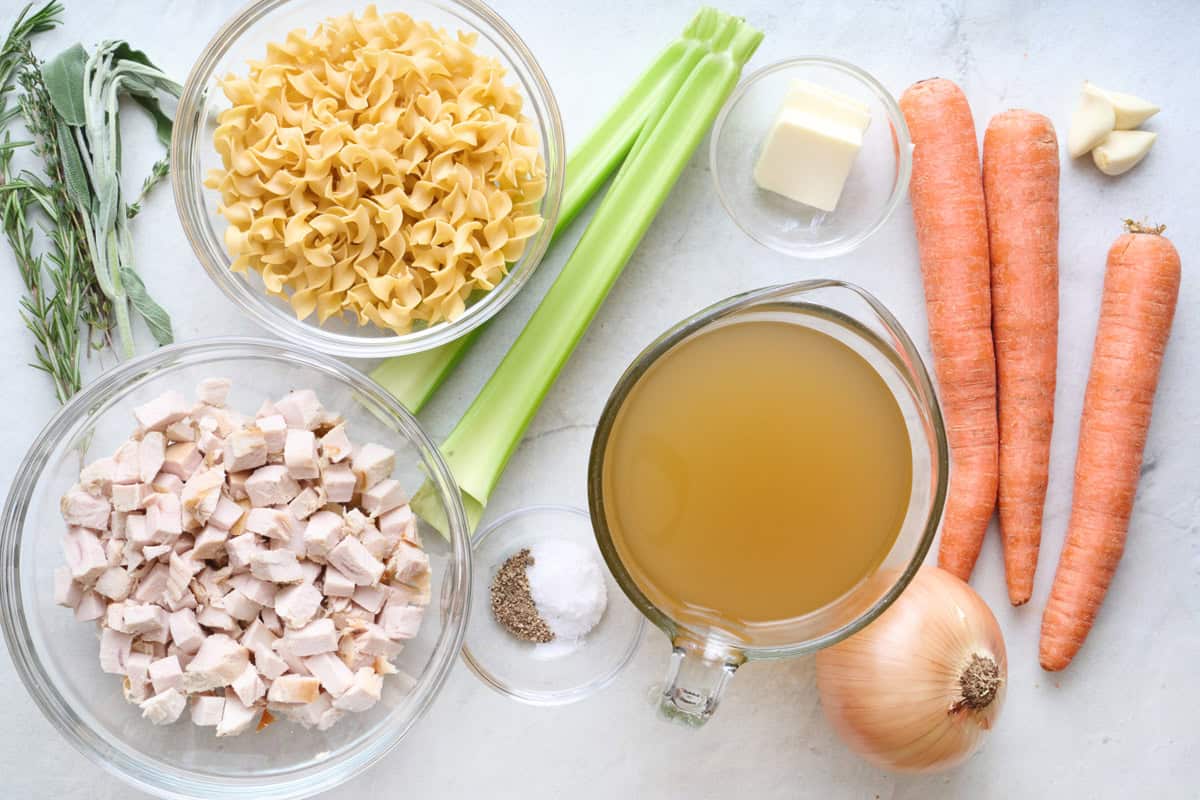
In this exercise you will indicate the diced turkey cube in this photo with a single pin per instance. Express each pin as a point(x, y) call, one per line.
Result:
point(293, 689)
point(301, 409)
point(82, 509)
point(165, 673)
point(114, 583)
point(137, 667)
point(319, 714)
point(319, 636)
point(372, 463)
point(260, 591)
point(268, 662)
point(408, 563)
point(212, 445)
point(239, 606)
point(399, 523)
point(383, 497)
point(335, 445)
point(270, 522)
point(356, 562)
point(300, 454)
point(277, 566)
point(217, 663)
point(336, 584)
point(207, 710)
point(185, 630)
point(245, 449)
point(214, 391)
point(114, 651)
point(164, 517)
point(85, 555)
point(153, 551)
point(167, 483)
point(202, 492)
point(90, 607)
point(181, 431)
point(125, 463)
point(363, 693)
point(146, 620)
point(181, 567)
point(161, 411)
point(153, 585)
point(271, 486)
point(271, 620)
point(237, 483)
point(165, 707)
point(130, 496)
point(152, 451)
point(96, 477)
point(305, 504)
point(136, 532)
point(226, 514)
point(256, 635)
point(322, 534)
point(248, 686)
point(374, 641)
point(334, 675)
point(274, 429)
point(400, 622)
point(217, 619)
point(296, 605)
point(210, 543)
point(241, 549)
point(182, 459)
point(371, 597)
point(236, 717)
point(339, 483)
point(67, 590)
point(376, 543)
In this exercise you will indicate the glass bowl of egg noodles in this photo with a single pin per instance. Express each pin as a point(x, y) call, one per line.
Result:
point(368, 182)
point(55, 655)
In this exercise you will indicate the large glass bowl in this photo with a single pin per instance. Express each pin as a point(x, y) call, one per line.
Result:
point(246, 37)
point(56, 656)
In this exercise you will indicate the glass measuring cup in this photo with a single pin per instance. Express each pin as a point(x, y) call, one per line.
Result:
point(705, 657)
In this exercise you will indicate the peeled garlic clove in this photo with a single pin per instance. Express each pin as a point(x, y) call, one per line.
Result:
point(1129, 109)
point(1094, 118)
point(1121, 151)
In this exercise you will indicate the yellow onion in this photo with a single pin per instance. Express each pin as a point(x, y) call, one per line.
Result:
point(916, 689)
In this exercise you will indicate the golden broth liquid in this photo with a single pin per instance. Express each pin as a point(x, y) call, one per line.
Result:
point(755, 473)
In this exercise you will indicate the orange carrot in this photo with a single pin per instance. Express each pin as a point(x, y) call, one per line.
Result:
point(948, 208)
point(1020, 186)
point(1141, 286)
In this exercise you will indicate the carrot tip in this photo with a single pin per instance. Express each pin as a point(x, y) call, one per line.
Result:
point(1132, 226)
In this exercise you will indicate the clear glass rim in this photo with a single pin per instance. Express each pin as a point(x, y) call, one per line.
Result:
point(156, 778)
point(903, 155)
point(191, 201)
point(923, 385)
point(530, 696)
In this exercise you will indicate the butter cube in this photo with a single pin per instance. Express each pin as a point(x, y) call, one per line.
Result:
point(811, 147)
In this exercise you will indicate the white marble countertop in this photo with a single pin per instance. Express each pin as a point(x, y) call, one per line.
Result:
point(1121, 722)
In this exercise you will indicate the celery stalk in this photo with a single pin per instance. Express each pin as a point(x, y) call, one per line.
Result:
point(480, 445)
point(412, 379)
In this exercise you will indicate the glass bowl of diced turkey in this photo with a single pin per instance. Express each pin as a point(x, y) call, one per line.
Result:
point(211, 581)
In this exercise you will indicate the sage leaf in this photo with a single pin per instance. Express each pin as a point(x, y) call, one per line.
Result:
point(157, 319)
point(64, 82)
point(162, 123)
point(78, 188)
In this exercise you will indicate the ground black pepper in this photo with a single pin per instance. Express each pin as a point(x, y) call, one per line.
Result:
point(512, 603)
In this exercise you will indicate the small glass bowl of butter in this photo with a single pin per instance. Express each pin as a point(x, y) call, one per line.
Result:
point(811, 156)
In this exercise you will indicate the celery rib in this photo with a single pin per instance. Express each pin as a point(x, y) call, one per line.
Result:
point(480, 445)
point(413, 379)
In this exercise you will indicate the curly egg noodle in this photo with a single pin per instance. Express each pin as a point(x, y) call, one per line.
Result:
point(379, 166)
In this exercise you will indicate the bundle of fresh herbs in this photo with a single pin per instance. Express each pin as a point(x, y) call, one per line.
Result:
point(84, 279)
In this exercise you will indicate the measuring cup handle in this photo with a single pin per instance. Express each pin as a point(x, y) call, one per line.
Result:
point(695, 682)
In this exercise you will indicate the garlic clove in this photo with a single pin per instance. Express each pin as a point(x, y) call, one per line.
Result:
point(1094, 118)
point(1129, 109)
point(1121, 151)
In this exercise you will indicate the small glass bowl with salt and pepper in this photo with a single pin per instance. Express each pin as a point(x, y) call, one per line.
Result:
point(548, 625)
